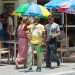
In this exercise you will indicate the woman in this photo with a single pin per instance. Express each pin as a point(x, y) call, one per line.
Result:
point(22, 33)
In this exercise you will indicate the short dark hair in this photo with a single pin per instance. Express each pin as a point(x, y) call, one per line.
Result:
point(52, 16)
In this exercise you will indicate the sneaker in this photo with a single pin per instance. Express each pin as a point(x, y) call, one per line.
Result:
point(58, 63)
point(29, 70)
point(48, 66)
point(38, 69)
point(18, 67)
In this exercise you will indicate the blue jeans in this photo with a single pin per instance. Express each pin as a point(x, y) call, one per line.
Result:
point(52, 53)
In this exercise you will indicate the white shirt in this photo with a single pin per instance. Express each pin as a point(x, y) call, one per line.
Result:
point(53, 28)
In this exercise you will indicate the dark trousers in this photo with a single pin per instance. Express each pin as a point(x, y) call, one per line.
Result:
point(52, 54)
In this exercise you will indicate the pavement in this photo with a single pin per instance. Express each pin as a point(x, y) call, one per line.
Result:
point(64, 69)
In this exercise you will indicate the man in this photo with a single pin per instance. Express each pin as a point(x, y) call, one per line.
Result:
point(36, 31)
point(10, 28)
point(53, 31)
point(1, 32)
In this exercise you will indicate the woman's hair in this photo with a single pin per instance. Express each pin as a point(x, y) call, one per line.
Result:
point(25, 19)
point(36, 19)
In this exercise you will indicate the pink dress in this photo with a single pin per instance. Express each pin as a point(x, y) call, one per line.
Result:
point(22, 45)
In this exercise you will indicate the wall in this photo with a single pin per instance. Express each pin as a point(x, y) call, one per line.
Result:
point(24, 1)
point(0, 6)
point(17, 3)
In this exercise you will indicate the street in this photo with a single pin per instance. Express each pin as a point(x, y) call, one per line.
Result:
point(64, 69)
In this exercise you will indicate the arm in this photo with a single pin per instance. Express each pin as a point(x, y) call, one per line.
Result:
point(44, 36)
point(56, 34)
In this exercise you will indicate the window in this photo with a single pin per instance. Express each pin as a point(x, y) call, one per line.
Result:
point(7, 7)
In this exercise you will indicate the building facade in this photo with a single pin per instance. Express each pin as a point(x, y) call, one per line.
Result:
point(12, 4)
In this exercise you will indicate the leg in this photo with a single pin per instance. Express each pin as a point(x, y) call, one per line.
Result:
point(56, 58)
point(29, 58)
point(39, 58)
point(48, 61)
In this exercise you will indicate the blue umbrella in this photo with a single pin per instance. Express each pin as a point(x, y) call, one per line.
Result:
point(34, 8)
point(73, 4)
point(54, 4)
point(66, 6)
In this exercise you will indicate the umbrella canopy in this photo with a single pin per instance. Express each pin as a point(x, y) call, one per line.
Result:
point(16, 14)
point(32, 9)
point(66, 6)
point(54, 4)
point(69, 7)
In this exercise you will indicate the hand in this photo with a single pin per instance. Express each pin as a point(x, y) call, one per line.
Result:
point(29, 36)
point(53, 35)
point(27, 31)
point(43, 45)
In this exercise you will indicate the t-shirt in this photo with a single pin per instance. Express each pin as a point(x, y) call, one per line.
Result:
point(51, 29)
point(36, 33)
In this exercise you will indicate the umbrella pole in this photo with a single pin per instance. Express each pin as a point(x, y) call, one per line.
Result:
point(66, 31)
point(64, 17)
point(61, 47)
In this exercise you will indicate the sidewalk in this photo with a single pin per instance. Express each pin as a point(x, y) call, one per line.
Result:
point(64, 69)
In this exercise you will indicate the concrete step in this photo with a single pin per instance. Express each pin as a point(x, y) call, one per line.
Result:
point(69, 59)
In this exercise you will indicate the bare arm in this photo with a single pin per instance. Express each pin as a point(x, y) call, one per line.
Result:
point(56, 34)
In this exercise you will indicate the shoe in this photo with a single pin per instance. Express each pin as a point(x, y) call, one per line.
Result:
point(28, 70)
point(48, 66)
point(58, 63)
point(18, 67)
point(38, 69)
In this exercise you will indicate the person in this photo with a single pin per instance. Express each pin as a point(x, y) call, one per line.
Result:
point(1, 32)
point(36, 40)
point(52, 32)
point(22, 43)
point(10, 27)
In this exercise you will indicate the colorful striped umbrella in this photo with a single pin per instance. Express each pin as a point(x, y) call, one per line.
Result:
point(16, 14)
point(32, 9)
